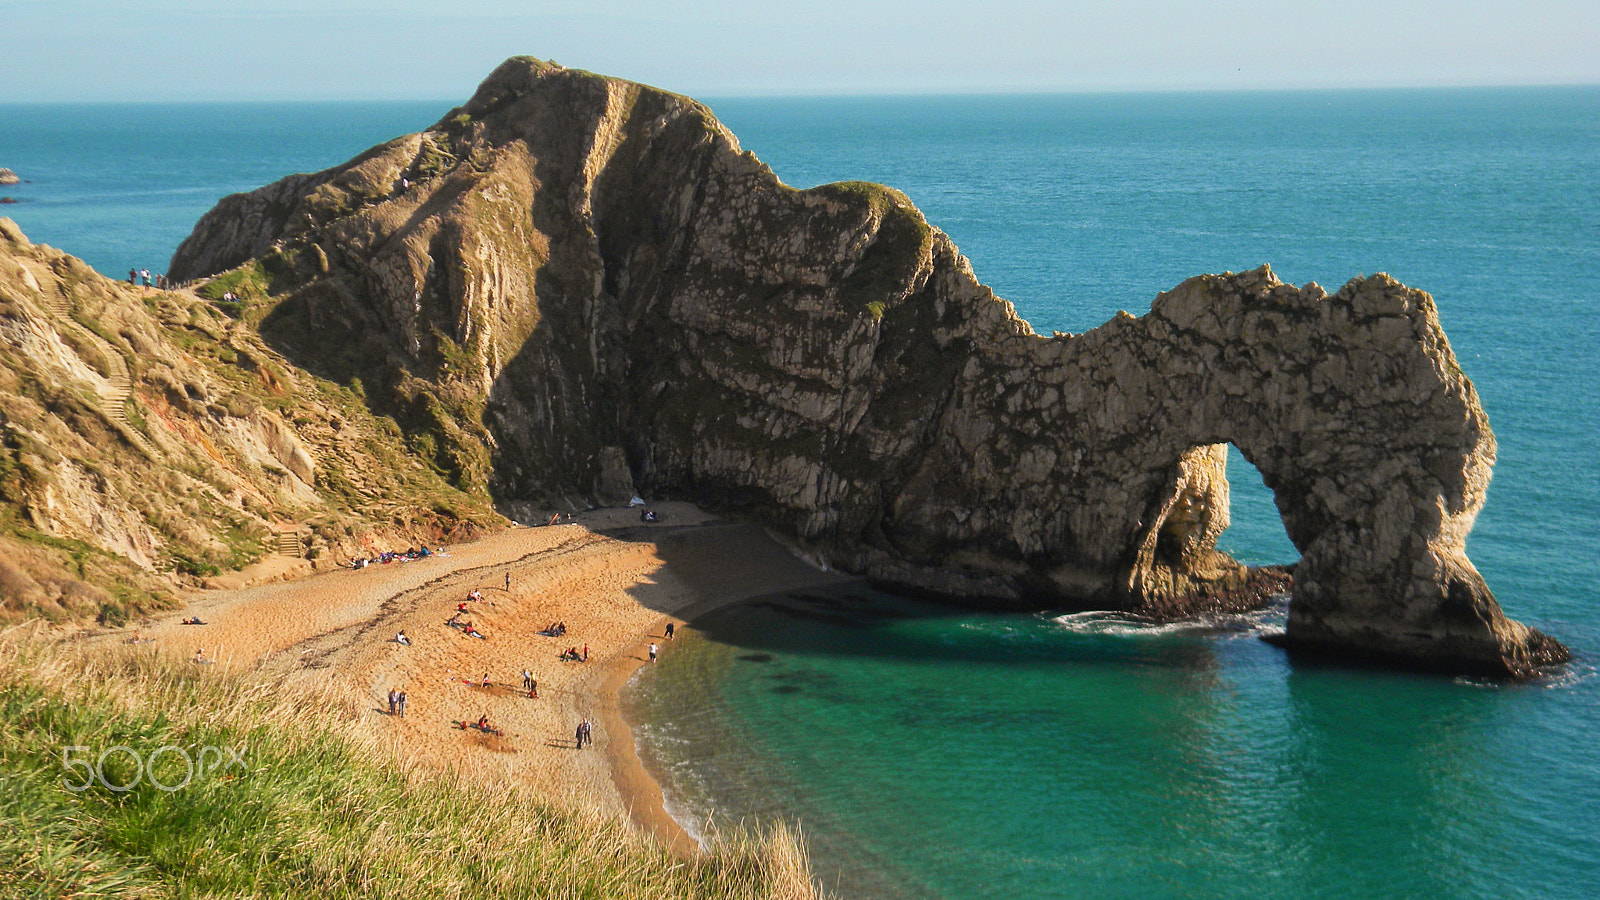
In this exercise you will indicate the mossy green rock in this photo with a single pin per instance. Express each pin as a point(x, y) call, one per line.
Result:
point(571, 263)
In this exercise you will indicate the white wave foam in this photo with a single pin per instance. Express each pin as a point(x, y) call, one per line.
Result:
point(691, 824)
point(1120, 624)
point(1560, 678)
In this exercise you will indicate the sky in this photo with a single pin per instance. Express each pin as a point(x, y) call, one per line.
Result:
point(173, 50)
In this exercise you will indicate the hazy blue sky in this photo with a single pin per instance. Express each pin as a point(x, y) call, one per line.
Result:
point(348, 49)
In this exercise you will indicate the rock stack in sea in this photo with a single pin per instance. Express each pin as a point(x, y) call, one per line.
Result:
point(575, 284)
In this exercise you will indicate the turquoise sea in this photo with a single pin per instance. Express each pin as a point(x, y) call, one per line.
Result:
point(935, 752)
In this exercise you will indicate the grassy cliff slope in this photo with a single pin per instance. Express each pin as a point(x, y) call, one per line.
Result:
point(150, 439)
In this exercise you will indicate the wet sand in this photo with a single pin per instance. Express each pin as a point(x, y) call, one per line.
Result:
point(615, 584)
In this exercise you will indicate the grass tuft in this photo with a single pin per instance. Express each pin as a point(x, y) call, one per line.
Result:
point(316, 809)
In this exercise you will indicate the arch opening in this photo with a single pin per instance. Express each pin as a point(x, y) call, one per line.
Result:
point(1255, 534)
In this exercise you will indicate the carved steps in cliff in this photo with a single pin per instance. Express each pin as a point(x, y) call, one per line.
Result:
point(117, 389)
point(288, 543)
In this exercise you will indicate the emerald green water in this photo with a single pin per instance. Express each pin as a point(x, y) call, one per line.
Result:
point(932, 753)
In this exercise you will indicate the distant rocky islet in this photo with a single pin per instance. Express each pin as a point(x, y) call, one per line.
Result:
point(9, 177)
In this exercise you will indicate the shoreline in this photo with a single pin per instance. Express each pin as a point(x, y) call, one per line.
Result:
point(616, 584)
point(641, 791)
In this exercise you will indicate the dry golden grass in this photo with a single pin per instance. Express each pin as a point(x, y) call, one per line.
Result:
point(316, 809)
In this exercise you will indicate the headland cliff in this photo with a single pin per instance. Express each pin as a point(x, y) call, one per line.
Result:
point(577, 286)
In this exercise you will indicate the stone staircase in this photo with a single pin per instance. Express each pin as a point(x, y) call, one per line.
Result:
point(117, 390)
point(288, 543)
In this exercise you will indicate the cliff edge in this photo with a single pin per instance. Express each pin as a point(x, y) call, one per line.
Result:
point(150, 442)
point(579, 285)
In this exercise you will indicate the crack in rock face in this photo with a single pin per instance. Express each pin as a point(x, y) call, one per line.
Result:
point(574, 285)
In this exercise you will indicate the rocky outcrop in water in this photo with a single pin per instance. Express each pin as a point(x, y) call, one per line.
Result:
point(571, 271)
point(9, 177)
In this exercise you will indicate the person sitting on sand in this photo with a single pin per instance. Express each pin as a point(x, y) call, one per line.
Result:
point(468, 629)
point(483, 723)
point(475, 595)
point(461, 607)
point(402, 639)
point(454, 620)
point(486, 679)
point(200, 656)
point(561, 629)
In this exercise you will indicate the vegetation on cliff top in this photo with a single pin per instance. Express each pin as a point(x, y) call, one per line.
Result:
point(149, 439)
point(311, 808)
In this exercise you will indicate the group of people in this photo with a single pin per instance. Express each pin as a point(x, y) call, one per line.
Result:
point(389, 556)
point(530, 681)
point(466, 627)
point(482, 725)
point(159, 282)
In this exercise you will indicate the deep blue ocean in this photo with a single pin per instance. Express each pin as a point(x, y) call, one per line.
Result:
point(931, 752)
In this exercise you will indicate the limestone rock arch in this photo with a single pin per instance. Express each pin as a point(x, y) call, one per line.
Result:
point(1375, 446)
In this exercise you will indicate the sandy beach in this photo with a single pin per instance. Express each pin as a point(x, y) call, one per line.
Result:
point(614, 583)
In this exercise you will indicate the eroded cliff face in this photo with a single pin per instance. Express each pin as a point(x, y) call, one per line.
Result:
point(148, 440)
point(570, 266)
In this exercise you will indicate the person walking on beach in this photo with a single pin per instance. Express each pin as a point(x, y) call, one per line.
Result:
point(652, 651)
point(508, 581)
point(144, 275)
point(394, 701)
point(669, 630)
point(527, 680)
point(400, 701)
point(577, 736)
point(585, 652)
